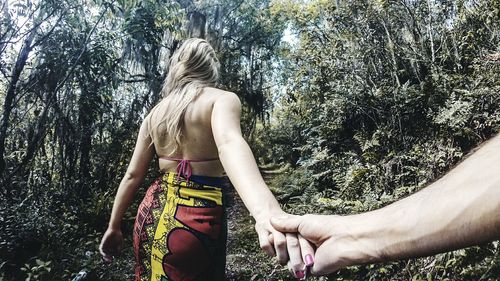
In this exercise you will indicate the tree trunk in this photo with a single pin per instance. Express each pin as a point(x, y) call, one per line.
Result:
point(196, 25)
point(11, 94)
point(214, 32)
point(85, 121)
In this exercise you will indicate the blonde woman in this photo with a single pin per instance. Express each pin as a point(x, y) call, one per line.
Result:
point(180, 228)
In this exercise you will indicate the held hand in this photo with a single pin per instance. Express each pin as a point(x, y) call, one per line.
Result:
point(271, 241)
point(300, 252)
point(290, 248)
point(320, 231)
point(111, 244)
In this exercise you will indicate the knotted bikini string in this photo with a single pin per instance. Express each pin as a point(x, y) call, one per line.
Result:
point(184, 169)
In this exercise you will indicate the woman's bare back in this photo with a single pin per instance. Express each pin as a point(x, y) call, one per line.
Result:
point(197, 138)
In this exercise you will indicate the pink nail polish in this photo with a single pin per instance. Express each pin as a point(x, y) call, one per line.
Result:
point(299, 274)
point(309, 260)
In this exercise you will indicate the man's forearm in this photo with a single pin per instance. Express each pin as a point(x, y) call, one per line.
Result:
point(460, 209)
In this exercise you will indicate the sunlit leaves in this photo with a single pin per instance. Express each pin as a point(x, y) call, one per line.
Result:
point(382, 98)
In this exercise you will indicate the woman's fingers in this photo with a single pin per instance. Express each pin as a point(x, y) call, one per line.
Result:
point(105, 252)
point(307, 250)
point(295, 264)
point(111, 244)
point(265, 242)
point(272, 242)
point(280, 246)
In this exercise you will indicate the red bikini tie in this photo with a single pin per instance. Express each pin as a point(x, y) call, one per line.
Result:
point(184, 169)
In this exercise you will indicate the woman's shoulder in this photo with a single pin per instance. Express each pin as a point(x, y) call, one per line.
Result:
point(220, 95)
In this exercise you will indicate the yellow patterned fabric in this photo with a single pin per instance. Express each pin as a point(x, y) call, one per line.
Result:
point(180, 230)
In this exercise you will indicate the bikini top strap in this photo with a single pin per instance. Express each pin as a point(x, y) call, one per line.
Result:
point(171, 158)
point(203, 160)
point(184, 167)
point(189, 160)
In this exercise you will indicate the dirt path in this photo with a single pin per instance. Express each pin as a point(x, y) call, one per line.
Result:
point(245, 260)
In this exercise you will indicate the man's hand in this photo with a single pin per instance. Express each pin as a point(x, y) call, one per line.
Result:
point(336, 248)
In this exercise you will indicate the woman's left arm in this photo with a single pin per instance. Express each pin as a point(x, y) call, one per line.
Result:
point(241, 168)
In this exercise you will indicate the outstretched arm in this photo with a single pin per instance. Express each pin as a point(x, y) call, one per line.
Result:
point(138, 166)
point(239, 163)
point(241, 168)
point(459, 210)
point(238, 160)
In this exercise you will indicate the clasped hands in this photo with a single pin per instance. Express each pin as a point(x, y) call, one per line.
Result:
point(315, 244)
point(312, 244)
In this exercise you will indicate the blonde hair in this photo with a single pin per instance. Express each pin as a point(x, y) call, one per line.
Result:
point(192, 67)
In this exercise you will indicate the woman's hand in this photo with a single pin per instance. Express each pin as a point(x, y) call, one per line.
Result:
point(271, 241)
point(290, 248)
point(111, 244)
point(300, 253)
point(336, 247)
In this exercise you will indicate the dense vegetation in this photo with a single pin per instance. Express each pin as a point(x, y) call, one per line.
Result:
point(350, 104)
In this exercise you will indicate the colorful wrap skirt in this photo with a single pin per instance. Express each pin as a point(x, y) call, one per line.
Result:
point(180, 230)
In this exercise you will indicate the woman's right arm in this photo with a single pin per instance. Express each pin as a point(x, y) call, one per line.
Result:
point(138, 166)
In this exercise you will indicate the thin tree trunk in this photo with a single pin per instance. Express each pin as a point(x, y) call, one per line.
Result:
point(391, 46)
point(85, 127)
point(431, 37)
point(11, 94)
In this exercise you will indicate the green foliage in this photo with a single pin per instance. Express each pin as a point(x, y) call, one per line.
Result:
point(383, 98)
point(367, 103)
point(37, 271)
point(145, 23)
point(93, 69)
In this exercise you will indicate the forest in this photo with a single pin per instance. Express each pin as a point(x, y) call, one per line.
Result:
point(347, 105)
